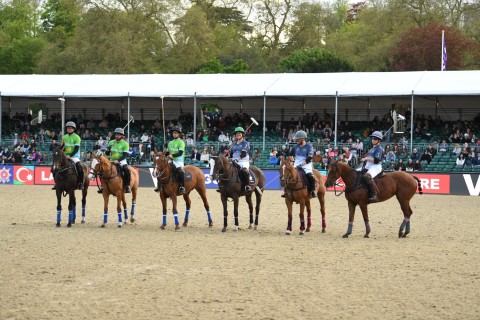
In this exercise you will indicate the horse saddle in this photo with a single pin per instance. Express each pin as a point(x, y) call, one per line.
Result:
point(252, 178)
point(187, 176)
point(303, 176)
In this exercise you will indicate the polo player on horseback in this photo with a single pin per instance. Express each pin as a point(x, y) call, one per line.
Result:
point(176, 152)
point(241, 158)
point(118, 151)
point(373, 163)
point(303, 154)
point(71, 149)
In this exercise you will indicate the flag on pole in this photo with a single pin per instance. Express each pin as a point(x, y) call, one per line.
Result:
point(444, 52)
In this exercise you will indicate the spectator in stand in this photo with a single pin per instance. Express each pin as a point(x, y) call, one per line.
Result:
point(205, 156)
point(468, 161)
point(284, 152)
point(400, 166)
point(443, 147)
point(189, 141)
point(15, 139)
point(390, 157)
point(415, 155)
point(17, 156)
point(195, 155)
point(359, 144)
point(476, 160)
point(391, 166)
point(213, 155)
point(426, 157)
point(222, 137)
point(5, 155)
point(255, 156)
point(273, 159)
point(460, 160)
point(404, 142)
point(409, 166)
point(417, 166)
point(223, 148)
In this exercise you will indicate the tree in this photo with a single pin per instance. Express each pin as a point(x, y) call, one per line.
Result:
point(314, 61)
point(215, 66)
point(420, 49)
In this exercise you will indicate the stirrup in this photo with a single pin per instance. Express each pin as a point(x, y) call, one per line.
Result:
point(156, 189)
point(373, 198)
point(181, 190)
point(54, 188)
point(80, 186)
point(100, 190)
point(128, 190)
point(248, 188)
point(313, 194)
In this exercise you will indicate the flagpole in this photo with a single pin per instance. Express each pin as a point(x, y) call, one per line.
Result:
point(443, 48)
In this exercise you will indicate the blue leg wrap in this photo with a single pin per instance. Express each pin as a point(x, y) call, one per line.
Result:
point(175, 217)
point(133, 209)
point(84, 210)
point(209, 216)
point(367, 226)
point(407, 229)
point(70, 215)
point(125, 214)
point(350, 228)
point(120, 216)
point(105, 217)
point(74, 212)
point(59, 215)
point(402, 226)
point(164, 218)
point(187, 212)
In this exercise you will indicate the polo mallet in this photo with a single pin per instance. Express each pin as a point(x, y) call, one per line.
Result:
point(130, 120)
point(163, 123)
point(254, 122)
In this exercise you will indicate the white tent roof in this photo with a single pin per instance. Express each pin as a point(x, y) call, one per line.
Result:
point(244, 85)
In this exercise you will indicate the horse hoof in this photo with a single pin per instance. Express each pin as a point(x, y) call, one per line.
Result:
point(132, 220)
point(307, 230)
point(73, 222)
point(366, 236)
point(255, 227)
point(288, 232)
point(400, 234)
point(345, 236)
point(224, 229)
point(177, 227)
point(324, 231)
point(58, 225)
point(405, 235)
point(250, 227)
point(185, 224)
point(235, 228)
point(301, 233)
point(119, 226)
point(83, 222)
point(69, 225)
point(103, 226)
point(163, 226)
point(210, 224)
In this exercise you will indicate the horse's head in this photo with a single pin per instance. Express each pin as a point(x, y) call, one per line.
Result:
point(98, 165)
point(333, 173)
point(221, 166)
point(161, 163)
point(287, 171)
point(58, 158)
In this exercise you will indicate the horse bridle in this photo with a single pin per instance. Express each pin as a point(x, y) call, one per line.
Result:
point(100, 173)
point(220, 176)
point(286, 180)
point(158, 173)
point(335, 183)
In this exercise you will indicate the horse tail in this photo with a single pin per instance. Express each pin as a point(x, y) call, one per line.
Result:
point(420, 190)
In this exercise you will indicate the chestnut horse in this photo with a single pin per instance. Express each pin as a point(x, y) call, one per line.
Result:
point(230, 187)
point(296, 191)
point(168, 186)
point(112, 184)
point(66, 182)
point(398, 183)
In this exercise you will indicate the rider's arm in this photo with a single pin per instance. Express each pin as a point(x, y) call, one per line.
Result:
point(123, 157)
point(107, 152)
point(178, 154)
point(243, 154)
point(75, 150)
point(309, 159)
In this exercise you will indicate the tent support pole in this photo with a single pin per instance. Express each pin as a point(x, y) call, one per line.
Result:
point(195, 119)
point(411, 125)
point(264, 118)
point(336, 119)
point(128, 116)
point(1, 118)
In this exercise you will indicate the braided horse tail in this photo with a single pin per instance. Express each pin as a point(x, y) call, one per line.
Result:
point(420, 190)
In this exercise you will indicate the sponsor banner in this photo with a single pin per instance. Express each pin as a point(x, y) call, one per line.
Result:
point(465, 184)
point(6, 174)
point(43, 175)
point(24, 175)
point(434, 183)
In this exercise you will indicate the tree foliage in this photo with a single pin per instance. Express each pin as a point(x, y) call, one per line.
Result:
point(314, 61)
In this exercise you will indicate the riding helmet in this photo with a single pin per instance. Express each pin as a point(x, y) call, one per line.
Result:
point(120, 130)
point(70, 124)
point(377, 134)
point(300, 135)
point(177, 129)
point(239, 129)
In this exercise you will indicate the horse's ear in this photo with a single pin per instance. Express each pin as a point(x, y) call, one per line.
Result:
point(282, 158)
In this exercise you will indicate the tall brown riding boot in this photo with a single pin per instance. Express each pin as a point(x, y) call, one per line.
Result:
point(372, 190)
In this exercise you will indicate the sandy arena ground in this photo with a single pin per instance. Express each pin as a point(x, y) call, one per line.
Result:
point(142, 272)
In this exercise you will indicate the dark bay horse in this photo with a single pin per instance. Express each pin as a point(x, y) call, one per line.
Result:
point(168, 186)
point(66, 182)
point(230, 187)
point(112, 183)
point(398, 183)
point(296, 191)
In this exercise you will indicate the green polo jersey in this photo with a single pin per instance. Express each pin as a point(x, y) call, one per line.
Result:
point(176, 145)
point(117, 149)
point(70, 141)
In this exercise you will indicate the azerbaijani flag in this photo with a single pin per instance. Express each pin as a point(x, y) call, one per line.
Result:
point(23, 175)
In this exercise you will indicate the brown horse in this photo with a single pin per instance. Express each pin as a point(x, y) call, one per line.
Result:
point(112, 184)
point(168, 185)
point(230, 187)
point(66, 183)
point(296, 191)
point(398, 183)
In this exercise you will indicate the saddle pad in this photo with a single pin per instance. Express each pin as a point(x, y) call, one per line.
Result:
point(252, 177)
